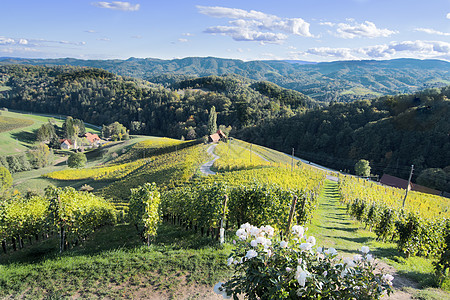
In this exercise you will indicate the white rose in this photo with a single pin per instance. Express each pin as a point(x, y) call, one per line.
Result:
point(349, 262)
point(311, 240)
point(229, 261)
point(251, 253)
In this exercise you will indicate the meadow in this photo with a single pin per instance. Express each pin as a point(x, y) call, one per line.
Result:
point(18, 130)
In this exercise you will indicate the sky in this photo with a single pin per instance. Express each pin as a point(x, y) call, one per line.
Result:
point(308, 30)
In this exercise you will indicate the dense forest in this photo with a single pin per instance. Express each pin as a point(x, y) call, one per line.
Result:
point(340, 81)
point(99, 97)
point(391, 132)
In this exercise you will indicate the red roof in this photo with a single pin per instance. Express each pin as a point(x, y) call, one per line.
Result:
point(394, 181)
point(65, 141)
point(221, 134)
point(92, 138)
point(214, 137)
point(402, 183)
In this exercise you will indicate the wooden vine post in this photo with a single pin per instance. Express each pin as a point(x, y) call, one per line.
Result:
point(222, 230)
point(291, 215)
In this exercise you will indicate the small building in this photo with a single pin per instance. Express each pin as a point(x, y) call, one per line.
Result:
point(66, 144)
point(92, 138)
point(216, 137)
point(395, 182)
point(402, 184)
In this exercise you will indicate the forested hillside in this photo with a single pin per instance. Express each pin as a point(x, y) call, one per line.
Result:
point(99, 97)
point(341, 81)
point(391, 132)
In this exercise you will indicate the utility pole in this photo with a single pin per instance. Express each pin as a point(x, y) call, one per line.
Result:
point(409, 182)
point(292, 162)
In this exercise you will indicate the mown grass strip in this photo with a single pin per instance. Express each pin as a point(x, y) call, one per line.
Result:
point(333, 227)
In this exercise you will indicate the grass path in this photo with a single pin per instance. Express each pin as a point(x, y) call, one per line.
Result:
point(333, 227)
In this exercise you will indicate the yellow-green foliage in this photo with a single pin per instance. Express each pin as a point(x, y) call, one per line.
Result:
point(122, 166)
point(269, 154)
point(8, 123)
point(144, 209)
point(164, 169)
point(23, 217)
point(79, 212)
point(256, 195)
point(308, 179)
point(112, 172)
point(426, 205)
point(158, 143)
point(236, 157)
point(151, 147)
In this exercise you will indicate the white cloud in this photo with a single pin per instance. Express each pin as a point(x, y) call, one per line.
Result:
point(104, 39)
point(35, 42)
point(90, 31)
point(448, 16)
point(183, 40)
point(117, 5)
point(187, 34)
point(245, 34)
point(255, 25)
point(340, 53)
point(416, 49)
point(432, 31)
point(6, 41)
point(366, 29)
point(137, 36)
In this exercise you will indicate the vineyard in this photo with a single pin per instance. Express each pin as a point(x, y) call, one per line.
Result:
point(155, 184)
point(8, 123)
point(73, 214)
point(418, 228)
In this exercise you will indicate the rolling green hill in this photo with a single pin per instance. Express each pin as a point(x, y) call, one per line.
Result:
point(100, 97)
point(322, 81)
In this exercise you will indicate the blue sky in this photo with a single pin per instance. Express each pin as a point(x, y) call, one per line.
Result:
point(313, 30)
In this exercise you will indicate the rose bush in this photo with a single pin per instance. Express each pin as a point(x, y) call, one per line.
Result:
point(269, 267)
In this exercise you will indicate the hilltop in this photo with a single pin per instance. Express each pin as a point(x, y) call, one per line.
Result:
point(341, 81)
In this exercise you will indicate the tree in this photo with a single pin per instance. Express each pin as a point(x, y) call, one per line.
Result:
point(40, 156)
point(5, 179)
point(115, 131)
point(80, 129)
point(77, 160)
point(69, 128)
point(212, 121)
point(24, 162)
point(434, 178)
point(362, 168)
point(14, 164)
point(46, 133)
point(191, 134)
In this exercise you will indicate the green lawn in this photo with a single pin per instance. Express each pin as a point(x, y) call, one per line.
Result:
point(21, 139)
point(113, 263)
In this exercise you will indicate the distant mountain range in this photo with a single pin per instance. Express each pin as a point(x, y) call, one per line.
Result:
point(341, 81)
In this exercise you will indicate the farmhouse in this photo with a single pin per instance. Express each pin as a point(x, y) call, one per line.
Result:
point(92, 138)
point(66, 144)
point(216, 137)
